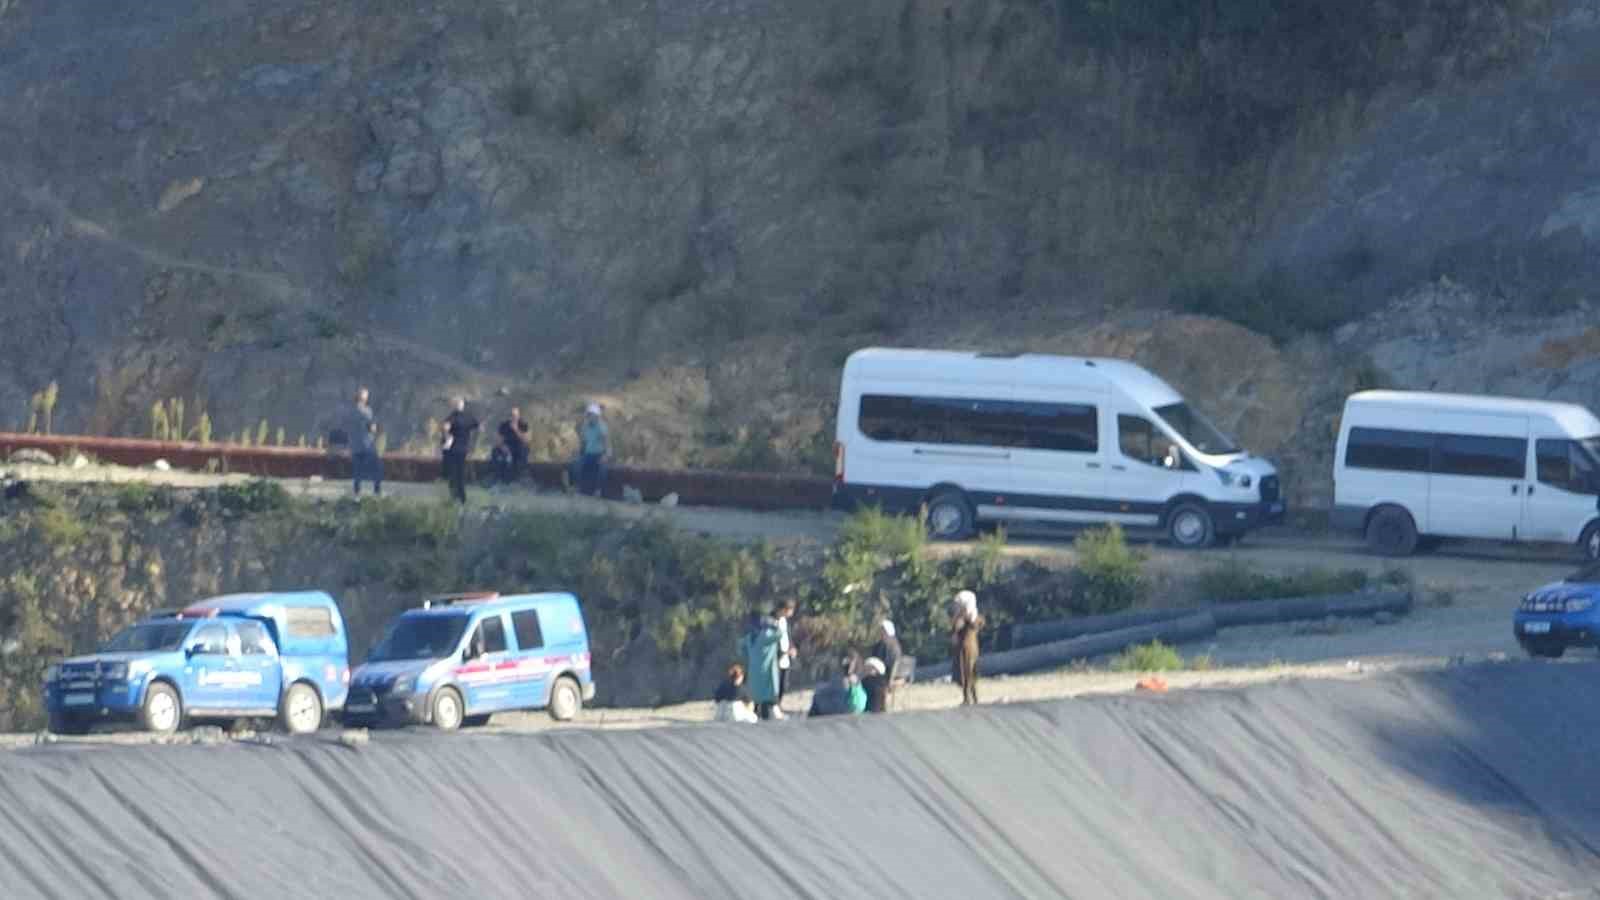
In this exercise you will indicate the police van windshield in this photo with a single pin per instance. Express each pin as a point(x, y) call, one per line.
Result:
point(149, 637)
point(1196, 429)
point(419, 637)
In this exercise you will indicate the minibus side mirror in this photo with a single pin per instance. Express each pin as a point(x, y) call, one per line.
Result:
point(1170, 461)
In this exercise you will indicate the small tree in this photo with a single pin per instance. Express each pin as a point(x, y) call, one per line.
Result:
point(202, 431)
point(175, 418)
point(261, 434)
point(283, 440)
point(47, 405)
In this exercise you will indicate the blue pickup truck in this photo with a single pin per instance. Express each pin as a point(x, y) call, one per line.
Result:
point(278, 655)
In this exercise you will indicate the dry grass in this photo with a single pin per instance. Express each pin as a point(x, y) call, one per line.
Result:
point(1562, 352)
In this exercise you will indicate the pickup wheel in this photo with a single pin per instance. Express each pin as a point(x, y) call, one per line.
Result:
point(300, 711)
point(1546, 648)
point(65, 723)
point(162, 711)
point(448, 710)
point(566, 699)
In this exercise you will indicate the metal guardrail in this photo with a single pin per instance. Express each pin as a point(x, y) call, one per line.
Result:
point(750, 490)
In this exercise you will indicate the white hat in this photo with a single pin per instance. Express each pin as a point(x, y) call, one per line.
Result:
point(594, 409)
point(968, 601)
point(875, 666)
point(888, 627)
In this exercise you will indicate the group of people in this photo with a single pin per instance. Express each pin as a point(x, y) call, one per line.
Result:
point(754, 687)
point(458, 433)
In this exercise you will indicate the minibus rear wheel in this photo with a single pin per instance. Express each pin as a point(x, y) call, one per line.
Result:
point(1391, 532)
point(949, 516)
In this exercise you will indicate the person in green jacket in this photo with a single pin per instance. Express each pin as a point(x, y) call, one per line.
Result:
point(759, 650)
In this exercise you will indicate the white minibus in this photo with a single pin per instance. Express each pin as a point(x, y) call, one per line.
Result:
point(1411, 468)
point(1039, 439)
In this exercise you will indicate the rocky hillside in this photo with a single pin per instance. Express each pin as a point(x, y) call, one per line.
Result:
point(693, 210)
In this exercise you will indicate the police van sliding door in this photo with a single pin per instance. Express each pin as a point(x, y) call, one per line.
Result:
point(1478, 476)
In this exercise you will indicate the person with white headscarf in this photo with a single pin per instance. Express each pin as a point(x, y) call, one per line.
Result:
point(594, 445)
point(875, 681)
point(888, 651)
point(965, 626)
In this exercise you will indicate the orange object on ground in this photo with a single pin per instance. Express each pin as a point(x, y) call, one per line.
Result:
point(1153, 683)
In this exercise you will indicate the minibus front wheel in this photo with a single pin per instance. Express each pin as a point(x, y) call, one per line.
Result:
point(1189, 526)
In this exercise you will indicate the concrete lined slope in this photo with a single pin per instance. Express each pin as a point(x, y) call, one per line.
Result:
point(1469, 782)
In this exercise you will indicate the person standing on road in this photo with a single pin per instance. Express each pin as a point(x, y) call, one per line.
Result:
point(594, 445)
point(514, 437)
point(786, 652)
point(459, 428)
point(965, 625)
point(759, 650)
point(365, 463)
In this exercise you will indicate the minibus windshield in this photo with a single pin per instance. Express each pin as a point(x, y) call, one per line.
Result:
point(1196, 429)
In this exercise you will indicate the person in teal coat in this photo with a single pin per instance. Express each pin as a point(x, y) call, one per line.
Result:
point(759, 650)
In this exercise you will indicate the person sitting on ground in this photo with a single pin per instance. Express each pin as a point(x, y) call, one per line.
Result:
point(733, 705)
point(876, 683)
point(843, 695)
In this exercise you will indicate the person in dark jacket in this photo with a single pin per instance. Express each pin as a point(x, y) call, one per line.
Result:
point(459, 430)
point(843, 695)
point(514, 438)
point(875, 681)
point(365, 463)
point(888, 651)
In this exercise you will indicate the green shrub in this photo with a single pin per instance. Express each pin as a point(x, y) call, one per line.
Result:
point(138, 497)
point(1109, 575)
point(1152, 657)
point(871, 530)
point(1235, 581)
point(58, 526)
point(388, 521)
point(252, 498)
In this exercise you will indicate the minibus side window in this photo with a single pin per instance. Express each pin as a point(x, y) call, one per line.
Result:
point(1563, 464)
point(1481, 457)
point(1389, 449)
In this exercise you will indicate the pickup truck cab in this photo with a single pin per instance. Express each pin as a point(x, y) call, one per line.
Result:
point(459, 659)
point(279, 655)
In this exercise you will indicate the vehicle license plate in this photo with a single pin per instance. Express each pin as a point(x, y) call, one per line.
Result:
point(78, 699)
point(1536, 628)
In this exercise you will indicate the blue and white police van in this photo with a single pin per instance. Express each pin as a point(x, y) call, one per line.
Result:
point(459, 659)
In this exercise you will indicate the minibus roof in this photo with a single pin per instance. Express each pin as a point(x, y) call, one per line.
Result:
point(1576, 420)
point(1022, 369)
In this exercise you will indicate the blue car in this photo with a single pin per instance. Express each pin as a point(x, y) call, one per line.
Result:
point(459, 659)
point(1560, 615)
point(281, 655)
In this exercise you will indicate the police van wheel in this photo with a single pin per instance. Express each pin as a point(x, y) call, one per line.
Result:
point(447, 710)
point(1391, 532)
point(566, 699)
point(62, 723)
point(300, 711)
point(1189, 526)
point(949, 517)
point(162, 711)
